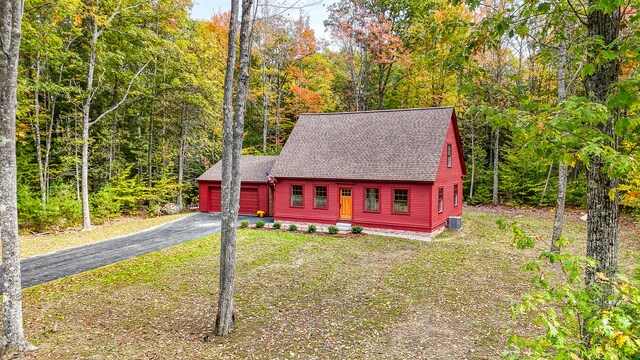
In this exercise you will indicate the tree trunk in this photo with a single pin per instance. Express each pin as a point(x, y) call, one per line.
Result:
point(278, 111)
point(265, 103)
point(473, 160)
point(86, 109)
point(183, 142)
point(602, 225)
point(602, 210)
point(558, 219)
point(47, 152)
point(150, 140)
point(496, 150)
point(12, 332)
point(225, 319)
point(546, 184)
point(36, 130)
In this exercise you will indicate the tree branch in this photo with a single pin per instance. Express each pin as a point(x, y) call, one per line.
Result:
point(124, 97)
point(578, 15)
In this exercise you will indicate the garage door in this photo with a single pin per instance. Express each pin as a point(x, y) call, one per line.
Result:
point(214, 199)
point(249, 202)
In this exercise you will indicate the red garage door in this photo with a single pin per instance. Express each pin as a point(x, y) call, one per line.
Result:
point(214, 198)
point(249, 201)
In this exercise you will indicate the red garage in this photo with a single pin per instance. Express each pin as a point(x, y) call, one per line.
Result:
point(255, 192)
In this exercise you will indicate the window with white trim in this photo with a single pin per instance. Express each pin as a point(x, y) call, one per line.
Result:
point(296, 195)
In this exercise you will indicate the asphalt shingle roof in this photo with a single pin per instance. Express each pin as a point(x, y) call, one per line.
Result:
point(252, 169)
point(370, 145)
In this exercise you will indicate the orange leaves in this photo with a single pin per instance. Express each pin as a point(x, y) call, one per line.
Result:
point(305, 39)
point(309, 100)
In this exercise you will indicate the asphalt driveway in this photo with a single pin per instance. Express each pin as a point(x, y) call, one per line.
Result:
point(47, 267)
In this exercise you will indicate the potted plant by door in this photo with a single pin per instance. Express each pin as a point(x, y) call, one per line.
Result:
point(260, 213)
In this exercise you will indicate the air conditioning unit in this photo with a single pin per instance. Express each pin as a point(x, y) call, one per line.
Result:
point(454, 223)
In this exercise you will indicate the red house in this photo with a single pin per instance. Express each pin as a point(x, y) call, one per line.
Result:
point(399, 169)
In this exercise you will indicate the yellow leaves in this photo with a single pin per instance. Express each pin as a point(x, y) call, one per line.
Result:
point(620, 338)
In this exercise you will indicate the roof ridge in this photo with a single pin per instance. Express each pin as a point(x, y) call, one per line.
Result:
point(380, 111)
point(262, 156)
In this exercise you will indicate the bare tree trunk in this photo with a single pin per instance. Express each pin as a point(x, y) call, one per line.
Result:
point(225, 318)
point(602, 210)
point(278, 111)
point(473, 160)
point(47, 152)
point(86, 109)
point(265, 103)
point(496, 150)
point(558, 219)
point(13, 338)
point(546, 184)
point(150, 140)
point(183, 143)
point(36, 129)
point(76, 163)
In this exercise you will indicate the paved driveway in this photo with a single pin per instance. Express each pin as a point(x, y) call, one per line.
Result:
point(42, 268)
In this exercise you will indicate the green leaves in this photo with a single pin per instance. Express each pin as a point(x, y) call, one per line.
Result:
point(559, 301)
point(544, 7)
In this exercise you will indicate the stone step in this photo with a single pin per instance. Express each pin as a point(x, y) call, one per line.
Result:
point(343, 226)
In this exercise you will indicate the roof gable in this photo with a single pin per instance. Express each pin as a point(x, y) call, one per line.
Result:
point(252, 169)
point(371, 145)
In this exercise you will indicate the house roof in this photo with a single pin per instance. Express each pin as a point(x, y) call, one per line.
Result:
point(252, 169)
point(396, 145)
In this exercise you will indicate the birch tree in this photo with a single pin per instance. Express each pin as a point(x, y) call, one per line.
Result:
point(232, 134)
point(97, 27)
point(13, 338)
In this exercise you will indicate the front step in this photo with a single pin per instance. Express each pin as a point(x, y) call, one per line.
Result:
point(343, 226)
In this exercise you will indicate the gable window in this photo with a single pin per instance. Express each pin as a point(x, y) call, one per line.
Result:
point(448, 155)
point(400, 201)
point(455, 195)
point(372, 199)
point(440, 200)
point(320, 198)
point(296, 195)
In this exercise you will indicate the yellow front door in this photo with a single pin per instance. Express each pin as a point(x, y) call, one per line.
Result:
point(346, 208)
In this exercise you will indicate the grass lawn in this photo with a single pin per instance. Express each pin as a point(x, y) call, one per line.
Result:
point(31, 245)
point(300, 296)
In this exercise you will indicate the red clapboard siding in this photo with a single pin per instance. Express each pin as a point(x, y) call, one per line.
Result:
point(446, 178)
point(417, 219)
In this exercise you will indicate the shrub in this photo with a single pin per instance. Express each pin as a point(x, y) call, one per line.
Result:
point(356, 229)
point(105, 204)
point(557, 288)
point(333, 230)
point(312, 228)
point(153, 209)
point(61, 208)
point(293, 227)
point(244, 223)
point(276, 225)
point(259, 224)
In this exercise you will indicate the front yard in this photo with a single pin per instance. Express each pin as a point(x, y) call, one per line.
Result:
point(301, 296)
